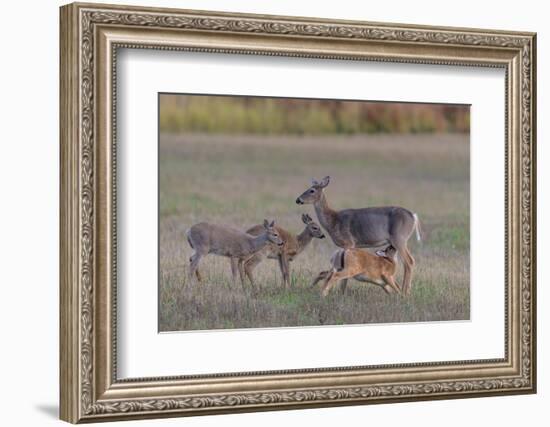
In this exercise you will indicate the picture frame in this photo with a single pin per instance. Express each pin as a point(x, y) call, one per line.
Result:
point(91, 35)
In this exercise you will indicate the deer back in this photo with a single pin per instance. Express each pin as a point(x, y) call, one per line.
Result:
point(362, 262)
point(376, 226)
point(219, 239)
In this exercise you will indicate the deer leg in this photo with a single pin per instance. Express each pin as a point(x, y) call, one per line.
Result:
point(194, 267)
point(408, 264)
point(330, 281)
point(327, 285)
point(391, 283)
point(343, 286)
point(198, 274)
point(321, 276)
point(248, 273)
point(286, 271)
point(240, 265)
point(249, 266)
point(387, 289)
point(283, 266)
point(408, 280)
point(384, 285)
point(234, 267)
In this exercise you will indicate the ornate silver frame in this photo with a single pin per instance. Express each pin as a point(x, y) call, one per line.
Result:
point(90, 36)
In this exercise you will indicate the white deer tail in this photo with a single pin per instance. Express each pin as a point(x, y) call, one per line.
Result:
point(417, 227)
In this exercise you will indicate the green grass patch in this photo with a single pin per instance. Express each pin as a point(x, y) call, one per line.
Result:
point(240, 181)
point(451, 237)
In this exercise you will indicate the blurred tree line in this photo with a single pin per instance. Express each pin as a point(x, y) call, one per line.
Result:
point(267, 116)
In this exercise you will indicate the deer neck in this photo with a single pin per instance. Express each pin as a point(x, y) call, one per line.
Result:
point(325, 214)
point(258, 242)
point(304, 238)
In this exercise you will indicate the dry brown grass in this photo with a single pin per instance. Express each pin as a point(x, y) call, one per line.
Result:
point(241, 180)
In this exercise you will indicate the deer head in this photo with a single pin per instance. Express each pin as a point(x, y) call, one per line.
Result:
point(313, 229)
point(313, 193)
point(272, 233)
point(390, 252)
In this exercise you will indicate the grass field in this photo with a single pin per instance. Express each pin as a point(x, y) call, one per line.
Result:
point(240, 180)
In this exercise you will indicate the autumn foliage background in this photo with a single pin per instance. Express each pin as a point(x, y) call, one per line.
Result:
point(275, 116)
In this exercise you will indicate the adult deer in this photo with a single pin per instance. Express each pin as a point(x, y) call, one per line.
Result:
point(205, 238)
point(293, 245)
point(365, 227)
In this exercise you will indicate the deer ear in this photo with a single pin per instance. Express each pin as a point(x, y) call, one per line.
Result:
point(325, 181)
point(272, 224)
point(266, 223)
point(306, 219)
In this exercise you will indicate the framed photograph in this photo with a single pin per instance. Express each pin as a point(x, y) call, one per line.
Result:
point(265, 212)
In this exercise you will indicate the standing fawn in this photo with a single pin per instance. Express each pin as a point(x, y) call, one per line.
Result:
point(292, 246)
point(225, 241)
point(365, 227)
point(363, 266)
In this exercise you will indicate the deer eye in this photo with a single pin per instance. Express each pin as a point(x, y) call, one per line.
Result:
point(312, 191)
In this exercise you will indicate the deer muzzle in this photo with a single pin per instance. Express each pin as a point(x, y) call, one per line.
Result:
point(299, 201)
